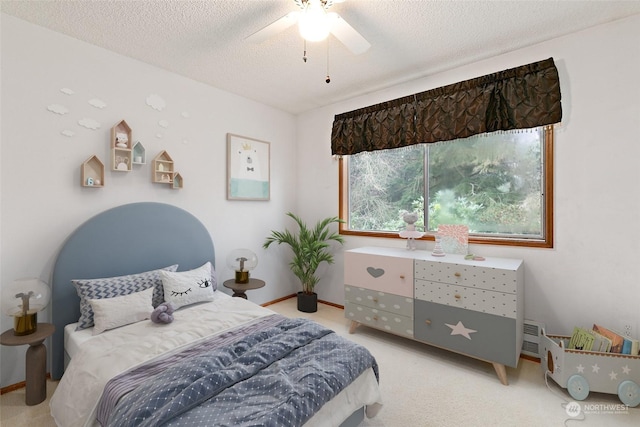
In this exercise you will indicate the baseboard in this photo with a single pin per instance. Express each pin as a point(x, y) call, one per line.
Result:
point(530, 358)
point(275, 301)
point(17, 386)
point(332, 304)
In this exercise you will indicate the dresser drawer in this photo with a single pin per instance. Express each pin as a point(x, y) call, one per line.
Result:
point(476, 299)
point(393, 275)
point(380, 319)
point(379, 300)
point(481, 335)
point(474, 276)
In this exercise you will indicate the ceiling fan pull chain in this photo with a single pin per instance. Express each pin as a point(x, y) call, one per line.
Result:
point(328, 79)
point(304, 54)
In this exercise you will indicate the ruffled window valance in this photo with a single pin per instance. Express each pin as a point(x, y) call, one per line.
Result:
point(518, 98)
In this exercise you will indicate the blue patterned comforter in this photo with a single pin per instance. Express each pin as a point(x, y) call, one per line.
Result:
point(278, 376)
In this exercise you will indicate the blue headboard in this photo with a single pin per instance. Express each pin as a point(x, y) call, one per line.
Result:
point(123, 240)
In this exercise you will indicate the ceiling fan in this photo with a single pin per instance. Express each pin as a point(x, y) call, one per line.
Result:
point(315, 24)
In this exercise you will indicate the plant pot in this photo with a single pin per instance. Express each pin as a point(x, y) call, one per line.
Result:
point(307, 303)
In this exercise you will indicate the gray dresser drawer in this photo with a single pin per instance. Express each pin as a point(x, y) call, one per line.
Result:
point(380, 319)
point(379, 300)
point(482, 277)
point(481, 335)
point(476, 299)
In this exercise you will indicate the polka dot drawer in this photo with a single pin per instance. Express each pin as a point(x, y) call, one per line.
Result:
point(497, 279)
point(391, 313)
point(379, 300)
point(498, 303)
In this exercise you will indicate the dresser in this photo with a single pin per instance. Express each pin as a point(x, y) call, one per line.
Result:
point(470, 307)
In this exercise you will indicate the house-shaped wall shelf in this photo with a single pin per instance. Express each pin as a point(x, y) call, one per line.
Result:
point(121, 147)
point(92, 173)
point(139, 154)
point(162, 168)
point(178, 182)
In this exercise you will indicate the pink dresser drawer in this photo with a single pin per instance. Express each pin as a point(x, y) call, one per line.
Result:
point(393, 275)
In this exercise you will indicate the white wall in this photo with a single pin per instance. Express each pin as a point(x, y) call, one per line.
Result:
point(592, 273)
point(42, 200)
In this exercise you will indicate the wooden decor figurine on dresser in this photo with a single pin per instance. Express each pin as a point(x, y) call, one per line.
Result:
point(471, 307)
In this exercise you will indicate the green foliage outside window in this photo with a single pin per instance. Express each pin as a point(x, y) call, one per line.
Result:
point(493, 183)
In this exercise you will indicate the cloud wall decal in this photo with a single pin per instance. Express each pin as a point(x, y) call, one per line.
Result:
point(58, 109)
point(98, 103)
point(89, 123)
point(156, 102)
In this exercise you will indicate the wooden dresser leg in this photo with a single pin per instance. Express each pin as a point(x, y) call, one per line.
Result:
point(501, 371)
point(353, 326)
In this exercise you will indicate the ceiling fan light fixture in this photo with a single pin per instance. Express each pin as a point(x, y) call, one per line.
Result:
point(314, 24)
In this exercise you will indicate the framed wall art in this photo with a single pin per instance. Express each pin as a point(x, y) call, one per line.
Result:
point(248, 170)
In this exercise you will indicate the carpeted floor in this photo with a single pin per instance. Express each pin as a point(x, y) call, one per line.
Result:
point(424, 386)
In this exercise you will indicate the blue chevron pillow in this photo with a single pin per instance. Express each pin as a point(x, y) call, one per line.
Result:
point(110, 287)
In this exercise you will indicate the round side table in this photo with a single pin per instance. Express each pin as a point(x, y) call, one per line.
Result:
point(36, 360)
point(239, 289)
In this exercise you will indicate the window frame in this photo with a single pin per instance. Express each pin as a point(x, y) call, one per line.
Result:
point(546, 242)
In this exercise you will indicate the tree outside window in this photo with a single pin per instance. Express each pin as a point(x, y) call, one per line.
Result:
point(498, 184)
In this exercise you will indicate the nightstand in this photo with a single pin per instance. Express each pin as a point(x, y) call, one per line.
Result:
point(36, 360)
point(239, 289)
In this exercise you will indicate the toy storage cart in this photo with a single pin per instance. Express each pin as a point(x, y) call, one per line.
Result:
point(582, 371)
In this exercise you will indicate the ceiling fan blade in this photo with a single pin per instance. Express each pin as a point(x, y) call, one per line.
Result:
point(347, 35)
point(274, 28)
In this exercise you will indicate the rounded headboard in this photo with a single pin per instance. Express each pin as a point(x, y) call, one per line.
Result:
point(127, 239)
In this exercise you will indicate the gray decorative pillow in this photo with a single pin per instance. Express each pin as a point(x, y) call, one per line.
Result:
point(110, 287)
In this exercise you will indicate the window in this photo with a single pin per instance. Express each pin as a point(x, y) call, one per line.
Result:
point(498, 184)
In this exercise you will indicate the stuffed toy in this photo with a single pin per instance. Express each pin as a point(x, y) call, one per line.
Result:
point(163, 313)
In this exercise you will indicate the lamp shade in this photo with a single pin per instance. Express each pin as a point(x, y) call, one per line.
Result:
point(22, 300)
point(242, 261)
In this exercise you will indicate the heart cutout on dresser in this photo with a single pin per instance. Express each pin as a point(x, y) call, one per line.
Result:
point(375, 272)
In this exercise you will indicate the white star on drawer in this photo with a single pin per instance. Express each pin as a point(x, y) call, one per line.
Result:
point(460, 329)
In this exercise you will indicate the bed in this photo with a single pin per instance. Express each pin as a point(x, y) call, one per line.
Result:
point(221, 361)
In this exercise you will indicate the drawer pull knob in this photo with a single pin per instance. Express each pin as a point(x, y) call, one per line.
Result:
point(375, 300)
point(402, 276)
point(457, 296)
point(375, 318)
point(428, 321)
point(457, 274)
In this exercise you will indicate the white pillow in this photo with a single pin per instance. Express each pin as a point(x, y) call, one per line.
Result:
point(188, 287)
point(110, 313)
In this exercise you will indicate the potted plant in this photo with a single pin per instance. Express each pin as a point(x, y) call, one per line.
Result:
point(310, 248)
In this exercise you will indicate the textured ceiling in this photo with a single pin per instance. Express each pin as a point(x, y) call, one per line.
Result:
point(205, 40)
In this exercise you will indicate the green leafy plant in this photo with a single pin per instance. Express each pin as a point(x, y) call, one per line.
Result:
point(310, 247)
